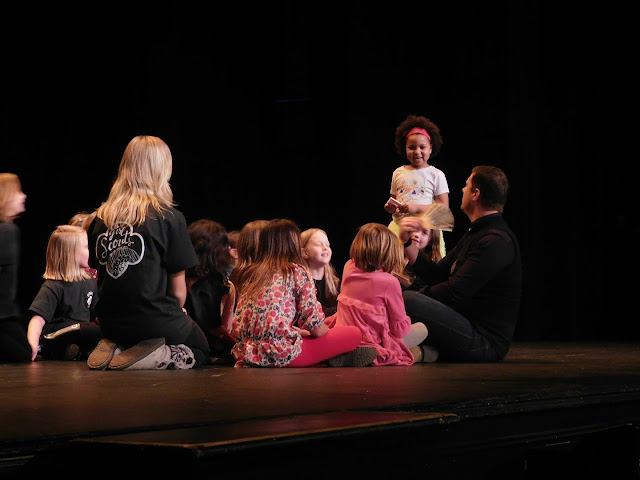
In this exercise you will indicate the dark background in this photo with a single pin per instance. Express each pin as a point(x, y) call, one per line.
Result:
point(289, 110)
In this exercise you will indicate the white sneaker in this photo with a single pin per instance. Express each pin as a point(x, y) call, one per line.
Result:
point(182, 358)
point(157, 360)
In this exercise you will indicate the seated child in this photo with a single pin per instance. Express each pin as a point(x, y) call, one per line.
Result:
point(62, 325)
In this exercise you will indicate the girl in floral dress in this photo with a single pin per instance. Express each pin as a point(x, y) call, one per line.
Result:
point(278, 320)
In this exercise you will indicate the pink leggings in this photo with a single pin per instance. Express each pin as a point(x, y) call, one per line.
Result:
point(339, 339)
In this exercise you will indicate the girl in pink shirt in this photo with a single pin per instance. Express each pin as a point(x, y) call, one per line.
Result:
point(371, 297)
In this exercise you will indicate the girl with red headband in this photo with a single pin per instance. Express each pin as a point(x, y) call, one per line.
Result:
point(416, 186)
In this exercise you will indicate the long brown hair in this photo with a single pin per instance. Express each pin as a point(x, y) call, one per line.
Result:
point(247, 246)
point(278, 253)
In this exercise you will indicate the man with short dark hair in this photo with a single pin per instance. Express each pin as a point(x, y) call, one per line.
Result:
point(472, 299)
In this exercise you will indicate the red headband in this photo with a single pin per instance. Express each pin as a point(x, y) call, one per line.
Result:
point(419, 130)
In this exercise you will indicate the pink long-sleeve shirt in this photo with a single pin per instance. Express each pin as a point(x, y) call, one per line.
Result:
point(373, 302)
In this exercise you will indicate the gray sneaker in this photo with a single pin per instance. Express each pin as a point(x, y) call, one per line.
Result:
point(360, 357)
point(139, 352)
point(429, 354)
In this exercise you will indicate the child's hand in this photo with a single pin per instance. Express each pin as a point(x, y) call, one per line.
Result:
point(408, 208)
point(303, 332)
point(392, 205)
point(408, 225)
point(34, 351)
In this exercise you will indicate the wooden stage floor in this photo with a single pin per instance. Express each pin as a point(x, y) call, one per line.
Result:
point(564, 407)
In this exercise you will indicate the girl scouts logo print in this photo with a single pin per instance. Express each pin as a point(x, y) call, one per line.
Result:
point(119, 248)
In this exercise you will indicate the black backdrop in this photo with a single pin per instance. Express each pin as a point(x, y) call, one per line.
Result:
point(284, 110)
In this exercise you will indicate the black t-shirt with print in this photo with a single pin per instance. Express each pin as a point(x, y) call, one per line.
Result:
point(63, 303)
point(133, 266)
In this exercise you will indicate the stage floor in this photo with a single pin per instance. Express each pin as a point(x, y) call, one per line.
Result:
point(544, 397)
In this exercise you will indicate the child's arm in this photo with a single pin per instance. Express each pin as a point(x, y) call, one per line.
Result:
point(420, 209)
point(399, 321)
point(33, 334)
point(178, 287)
point(224, 335)
point(442, 198)
point(408, 225)
point(228, 307)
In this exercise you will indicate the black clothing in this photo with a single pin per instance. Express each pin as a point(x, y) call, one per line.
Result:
point(134, 264)
point(481, 278)
point(203, 304)
point(328, 301)
point(9, 261)
point(63, 304)
point(14, 346)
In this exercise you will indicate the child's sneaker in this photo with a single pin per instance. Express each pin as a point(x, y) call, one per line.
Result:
point(71, 352)
point(165, 357)
point(182, 358)
point(159, 359)
point(429, 354)
point(360, 357)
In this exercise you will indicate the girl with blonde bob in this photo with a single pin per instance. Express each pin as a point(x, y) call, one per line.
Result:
point(371, 297)
point(63, 324)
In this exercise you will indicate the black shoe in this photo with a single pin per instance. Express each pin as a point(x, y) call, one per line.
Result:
point(360, 357)
point(71, 352)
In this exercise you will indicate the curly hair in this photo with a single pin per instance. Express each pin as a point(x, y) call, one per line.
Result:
point(418, 121)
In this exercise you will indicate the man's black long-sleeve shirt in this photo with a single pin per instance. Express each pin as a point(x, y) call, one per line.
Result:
point(481, 278)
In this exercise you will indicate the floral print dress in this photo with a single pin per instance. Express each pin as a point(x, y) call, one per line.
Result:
point(264, 326)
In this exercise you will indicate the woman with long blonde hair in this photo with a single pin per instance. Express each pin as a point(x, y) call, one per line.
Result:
point(141, 248)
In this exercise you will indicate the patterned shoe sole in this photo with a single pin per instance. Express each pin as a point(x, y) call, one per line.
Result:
point(360, 357)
